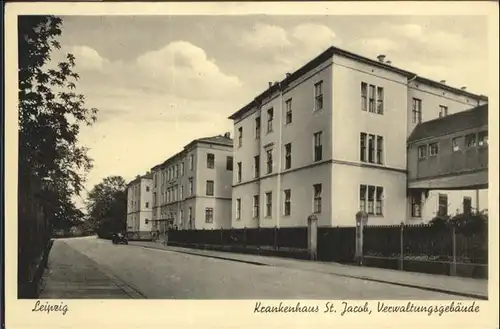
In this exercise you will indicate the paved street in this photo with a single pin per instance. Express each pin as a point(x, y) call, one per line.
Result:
point(132, 271)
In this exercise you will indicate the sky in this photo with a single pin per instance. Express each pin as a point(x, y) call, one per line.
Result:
point(161, 81)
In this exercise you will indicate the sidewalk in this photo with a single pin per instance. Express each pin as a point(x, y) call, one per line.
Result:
point(468, 287)
point(71, 274)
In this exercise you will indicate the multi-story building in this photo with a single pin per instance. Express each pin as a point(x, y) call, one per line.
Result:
point(192, 189)
point(139, 207)
point(331, 139)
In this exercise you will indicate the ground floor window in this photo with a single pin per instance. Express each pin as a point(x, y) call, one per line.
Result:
point(209, 215)
point(467, 205)
point(375, 196)
point(442, 205)
point(416, 205)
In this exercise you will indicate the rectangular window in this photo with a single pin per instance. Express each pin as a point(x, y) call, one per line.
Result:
point(470, 141)
point(371, 148)
point(371, 197)
point(380, 100)
point(422, 151)
point(364, 95)
point(416, 205)
point(147, 188)
point(147, 204)
point(240, 136)
point(176, 171)
point(210, 187)
point(318, 146)
point(379, 193)
point(190, 217)
point(209, 215)
point(362, 147)
point(433, 149)
point(371, 99)
point(288, 200)
point(182, 169)
point(318, 191)
point(380, 149)
point(269, 204)
point(269, 156)
point(229, 163)
point(238, 209)
point(482, 138)
point(416, 110)
point(442, 205)
point(191, 162)
point(238, 174)
point(455, 145)
point(256, 166)
point(467, 205)
point(443, 111)
point(210, 161)
point(288, 156)
point(257, 128)
point(181, 196)
point(256, 202)
point(270, 116)
point(288, 115)
point(190, 186)
point(318, 95)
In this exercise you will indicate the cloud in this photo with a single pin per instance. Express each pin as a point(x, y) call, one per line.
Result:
point(264, 37)
point(371, 47)
point(88, 58)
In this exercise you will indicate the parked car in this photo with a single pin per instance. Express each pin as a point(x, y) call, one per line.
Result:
point(119, 238)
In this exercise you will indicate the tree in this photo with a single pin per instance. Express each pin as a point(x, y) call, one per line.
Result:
point(107, 206)
point(50, 116)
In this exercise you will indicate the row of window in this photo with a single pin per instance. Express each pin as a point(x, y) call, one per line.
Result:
point(416, 206)
point(287, 203)
point(371, 100)
point(318, 105)
point(317, 156)
point(417, 110)
point(371, 199)
point(472, 140)
point(171, 193)
point(209, 215)
point(371, 148)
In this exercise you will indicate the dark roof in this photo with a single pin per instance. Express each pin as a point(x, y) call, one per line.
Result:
point(138, 177)
point(464, 120)
point(328, 54)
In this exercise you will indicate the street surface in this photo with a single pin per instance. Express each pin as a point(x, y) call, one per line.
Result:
point(166, 274)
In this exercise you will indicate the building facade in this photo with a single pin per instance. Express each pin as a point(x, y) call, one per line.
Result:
point(192, 189)
point(331, 139)
point(139, 207)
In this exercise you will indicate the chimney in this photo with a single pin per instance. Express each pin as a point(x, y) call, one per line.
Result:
point(463, 88)
point(288, 75)
point(270, 84)
point(388, 62)
point(227, 135)
point(443, 81)
point(381, 58)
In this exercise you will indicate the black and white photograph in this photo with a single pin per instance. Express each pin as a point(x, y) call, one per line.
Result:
point(267, 157)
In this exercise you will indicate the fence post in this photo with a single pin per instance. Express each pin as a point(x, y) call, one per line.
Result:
point(454, 251)
point(401, 247)
point(361, 219)
point(275, 242)
point(221, 236)
point(245, 236)
point(312, 236)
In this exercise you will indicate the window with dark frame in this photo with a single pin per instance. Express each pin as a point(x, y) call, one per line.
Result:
point(318, 191)
point(422, 151)
point(210, 187)
point(416, 110)
point(190, 186)
point(442, 205)
point(318, 95)
point(229, 163)
point(362, 147)
point(288, 197)
point(238, 209)
point(455, 146)
point(269, 204)
point(482, 138)
point(256, 202)
point(209, 215)
point(288, 156)
point(257, 128)
point(238, 174)
point(470, 141)
point(270, 116)
point(362, 198)
point(210, 160)
point(443, 111)
point(269, 156)
point(288, 113)
point(240, 136)
point(433, 149)
point(364, 95)
point(371, 148)
point(380, 149)
point(467, 205)
point(371, 195)
point(256, 166)
point(416, 204)
point(380, 100)
point(379, 193)
point(371, 99)
point(318, 146)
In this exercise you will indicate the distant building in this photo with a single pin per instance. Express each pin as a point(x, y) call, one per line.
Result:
point(192, 189)
point(139, 207)
point(331, 139)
